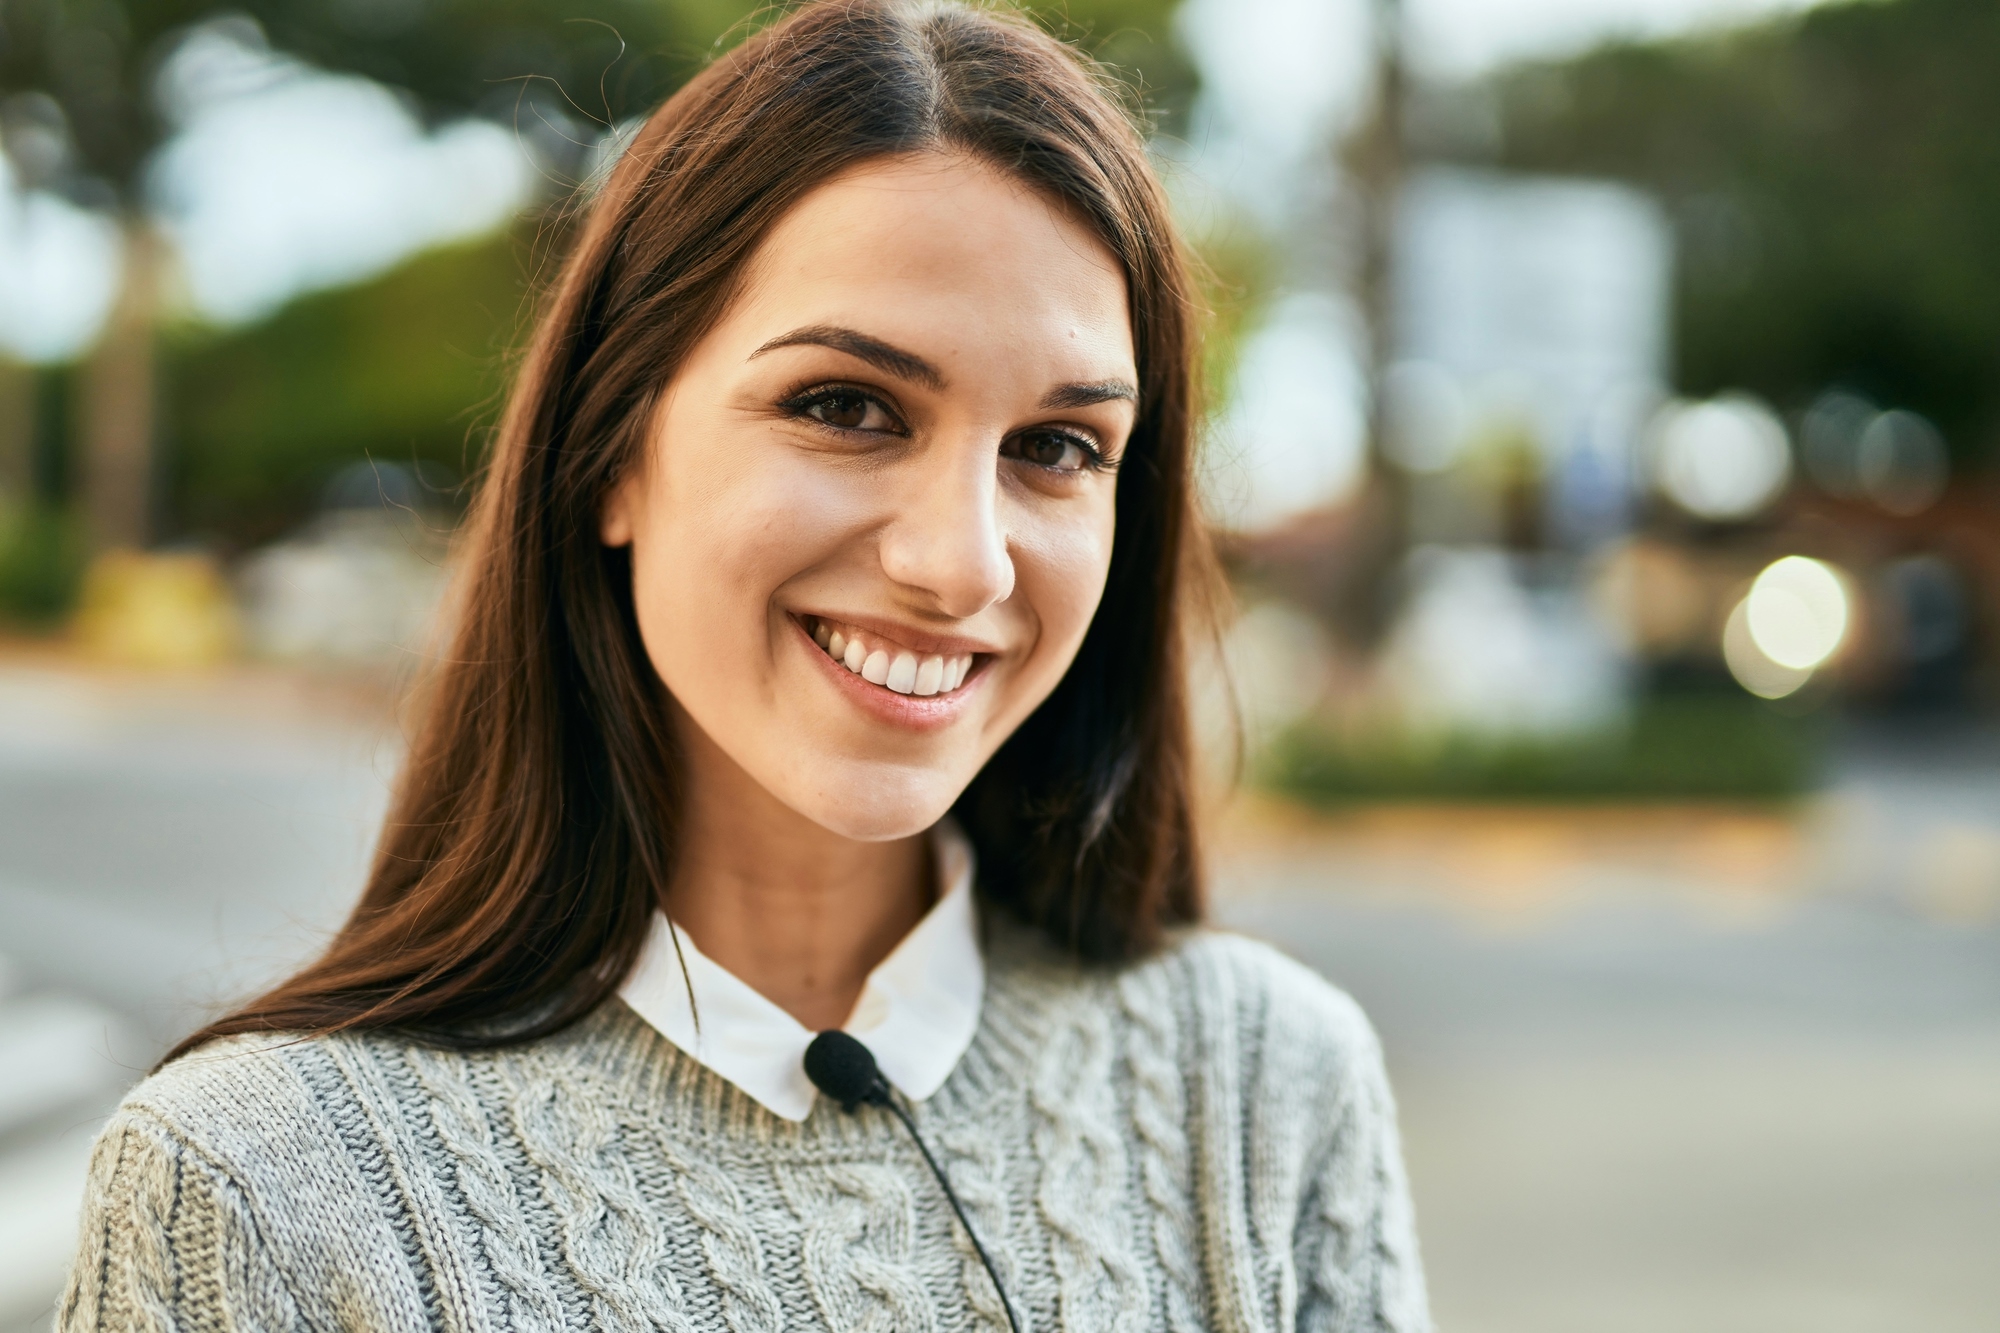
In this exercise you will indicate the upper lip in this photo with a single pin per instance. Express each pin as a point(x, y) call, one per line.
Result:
point(906, 636)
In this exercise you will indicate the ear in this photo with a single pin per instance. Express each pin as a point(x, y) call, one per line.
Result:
point(615, 526)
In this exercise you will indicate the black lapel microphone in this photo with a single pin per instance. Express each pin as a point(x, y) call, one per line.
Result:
point(845, 1070)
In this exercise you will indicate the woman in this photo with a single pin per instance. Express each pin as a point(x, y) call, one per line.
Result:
point(835, 543)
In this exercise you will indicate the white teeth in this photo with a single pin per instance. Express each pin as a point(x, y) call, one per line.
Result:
point(904, 672)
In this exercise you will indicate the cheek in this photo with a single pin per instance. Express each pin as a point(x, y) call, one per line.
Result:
point(726, 526)
point(1061, 563)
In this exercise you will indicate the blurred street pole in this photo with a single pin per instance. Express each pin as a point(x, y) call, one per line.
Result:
point(116, 411)
point(1375, 160)
point(1375, 165)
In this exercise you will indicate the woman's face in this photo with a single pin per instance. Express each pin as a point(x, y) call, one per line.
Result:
point(876, 512)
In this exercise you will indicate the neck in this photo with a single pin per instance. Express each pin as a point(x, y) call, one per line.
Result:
point(799, 914)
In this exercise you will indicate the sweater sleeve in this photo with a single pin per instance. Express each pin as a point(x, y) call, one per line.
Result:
point(1356, 1242)
point(168, 1242)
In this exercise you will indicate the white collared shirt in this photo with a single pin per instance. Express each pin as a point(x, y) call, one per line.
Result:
point(918, 1009)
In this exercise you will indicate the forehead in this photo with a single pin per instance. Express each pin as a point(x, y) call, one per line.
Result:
point(951, 252)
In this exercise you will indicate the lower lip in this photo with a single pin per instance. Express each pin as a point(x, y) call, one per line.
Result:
point(913, 712)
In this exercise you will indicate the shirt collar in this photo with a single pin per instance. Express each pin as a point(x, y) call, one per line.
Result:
point(918, 1009)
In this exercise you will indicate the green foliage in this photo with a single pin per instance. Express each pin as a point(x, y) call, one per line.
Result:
point(1695, 747)
point(405, 369)
point(1835, 179)
point(42, 555)
point(1135, 39)
point(1238, 270)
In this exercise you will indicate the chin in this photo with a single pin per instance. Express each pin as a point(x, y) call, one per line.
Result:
point(879, 803)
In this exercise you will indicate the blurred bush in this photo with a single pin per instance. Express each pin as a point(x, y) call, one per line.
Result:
point(1674, 747)
point(42, 554)
point(406, 369)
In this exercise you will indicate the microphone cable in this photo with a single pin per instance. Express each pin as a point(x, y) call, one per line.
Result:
point(845, 1070)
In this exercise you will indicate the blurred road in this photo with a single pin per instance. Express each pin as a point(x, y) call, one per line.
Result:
point(164, 844)
point(1677, 1072)
point(1659, 1071)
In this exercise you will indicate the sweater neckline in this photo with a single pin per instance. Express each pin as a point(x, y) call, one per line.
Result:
point(630, 1061)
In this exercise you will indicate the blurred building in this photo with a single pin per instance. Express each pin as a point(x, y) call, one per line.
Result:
point(1531, 335)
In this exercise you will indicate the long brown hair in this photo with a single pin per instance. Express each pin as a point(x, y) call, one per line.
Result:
point(534, 827)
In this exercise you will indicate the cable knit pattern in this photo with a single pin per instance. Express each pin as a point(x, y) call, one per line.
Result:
point(612, 1245)
point(1159, 1115)
point(485, 1189)
point(1084, 1165)
point(857, 1220)
point(1203, 1140)
point(730, 1246)
point(975, 1161)
point(154, 1279)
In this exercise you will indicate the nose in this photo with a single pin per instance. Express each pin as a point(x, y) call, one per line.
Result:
point(947, 539)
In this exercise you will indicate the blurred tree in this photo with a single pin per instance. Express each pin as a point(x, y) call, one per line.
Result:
point(1835, 178)
point(406, 369)
point(1137, 41)
point(78, 114)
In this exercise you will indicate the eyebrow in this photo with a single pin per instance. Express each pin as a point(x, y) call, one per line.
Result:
point(893, 360)
point(885, 358)
point(1088, 395)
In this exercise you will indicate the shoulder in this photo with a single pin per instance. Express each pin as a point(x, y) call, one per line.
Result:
point(284, 1124)
point(164, 1227)
point(273, 1107)
point(1210, 999)
point(1273, 1005)
point(256, 1173)
point(243, 1097)
point(195, 1189)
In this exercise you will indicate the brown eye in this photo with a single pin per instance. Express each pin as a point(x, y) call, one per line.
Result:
point(1049, 449)
point(843, 408)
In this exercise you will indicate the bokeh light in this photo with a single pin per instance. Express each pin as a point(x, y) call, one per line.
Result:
point(1797, 612)
point(1747, 663)
point(1727, 458)
point(1901, 462)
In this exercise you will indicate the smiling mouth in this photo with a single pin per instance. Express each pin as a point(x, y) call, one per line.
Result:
point(881, 662)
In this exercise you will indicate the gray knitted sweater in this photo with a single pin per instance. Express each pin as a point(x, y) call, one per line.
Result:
point(1201, 1141)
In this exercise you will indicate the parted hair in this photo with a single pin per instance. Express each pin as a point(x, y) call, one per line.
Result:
point(533, 829)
